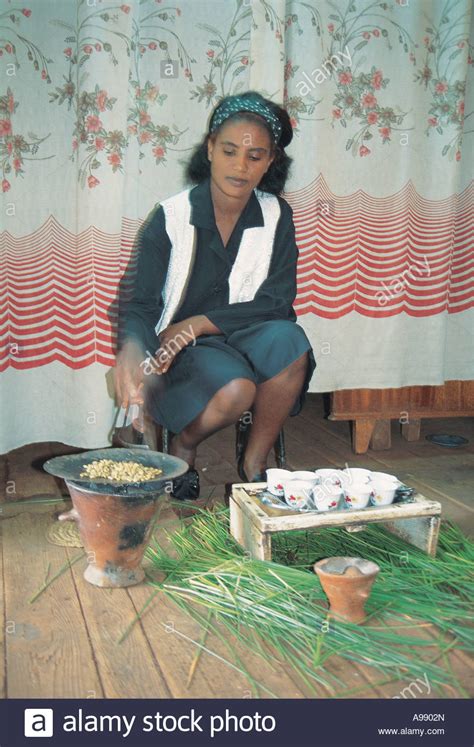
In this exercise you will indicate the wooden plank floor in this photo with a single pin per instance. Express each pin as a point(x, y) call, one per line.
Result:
point(65, 643)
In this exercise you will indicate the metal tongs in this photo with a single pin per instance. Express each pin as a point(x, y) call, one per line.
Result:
point(138, 429)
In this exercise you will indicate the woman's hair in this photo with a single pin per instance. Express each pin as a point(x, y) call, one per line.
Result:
point(198, 167)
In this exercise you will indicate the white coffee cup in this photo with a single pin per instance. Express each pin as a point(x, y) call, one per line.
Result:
point(384, 476)
point(298, 493)
point(304, 474)
point(327, 497)
point(356, 474)
point(329, 476)
point(357, 495)
point(384, 488)
point(382, 496)
point(276, 479)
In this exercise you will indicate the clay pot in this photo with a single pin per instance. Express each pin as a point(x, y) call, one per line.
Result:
point(115, 530)
point(347, 583)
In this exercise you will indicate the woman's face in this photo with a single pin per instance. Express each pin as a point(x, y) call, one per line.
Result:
point(240, 154)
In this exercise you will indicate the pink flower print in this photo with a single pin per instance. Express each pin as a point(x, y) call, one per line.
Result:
point(145, 136)
point(114, 159)
point(345, 78)
point(376, 32)
point(5, 127)
point(125, 8)
point(142, 50)
point(441, 86)
point(366, 35)
point(458, 155)
point(98, 47)
point(385, 132)
point(372, 117)
point(9, 148)
point(132, 129)
point(100, 100)
point(377, 79)
point(461, 107)
point(279, 487)
point(293, 122)
point(92, 181)
point(187, 72)
point(9, 48)
point(44, 74)
point(330, 27)
point(334, 503)
point(144, 118)
point(17, 164)
point(158, 152)
point(244, 60)
point(99, 143)
point(68, 52)
point(210, 53)
point(432, 121)
point(152, 45)
point(74, 143)
point(5, 185)
point(426, 41)
point(93, 123)
point(152, 93)
point(348, 500)
point(369, 101)
point(363, 151)
point(26, 12)
point(336, 113)
point(87, 49)
point(11, 104)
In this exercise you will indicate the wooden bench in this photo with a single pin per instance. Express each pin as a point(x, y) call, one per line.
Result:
point(252, 523)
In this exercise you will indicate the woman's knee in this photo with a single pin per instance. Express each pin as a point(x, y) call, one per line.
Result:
point(236, 397)
point(282, 332)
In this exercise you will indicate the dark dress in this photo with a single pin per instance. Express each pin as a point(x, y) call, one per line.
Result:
point(259, 338)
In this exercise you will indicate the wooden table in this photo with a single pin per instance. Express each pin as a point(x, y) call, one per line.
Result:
point(252, 523)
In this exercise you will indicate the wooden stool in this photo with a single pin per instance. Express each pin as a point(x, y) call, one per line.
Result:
point(252, 523)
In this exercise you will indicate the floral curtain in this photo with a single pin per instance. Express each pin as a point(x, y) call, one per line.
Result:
point(100, 106)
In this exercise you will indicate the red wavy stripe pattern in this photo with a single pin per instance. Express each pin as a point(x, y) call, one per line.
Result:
point(383, 256)
point(376, 256)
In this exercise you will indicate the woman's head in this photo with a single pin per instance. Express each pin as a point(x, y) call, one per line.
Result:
point(244, 147)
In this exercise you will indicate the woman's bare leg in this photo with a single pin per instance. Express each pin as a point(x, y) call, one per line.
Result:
point(272, 405)
point(223, 409)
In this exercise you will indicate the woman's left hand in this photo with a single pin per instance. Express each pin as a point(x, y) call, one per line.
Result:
point(177, 336)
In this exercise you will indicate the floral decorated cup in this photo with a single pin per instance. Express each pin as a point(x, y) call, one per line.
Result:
point(276, 479)
point(357, 495)
point(356, 474)
point(298, 494)
point(384, 489)
point(329, 476)
point(304, 474)
point(327, 497)
point(385, 477)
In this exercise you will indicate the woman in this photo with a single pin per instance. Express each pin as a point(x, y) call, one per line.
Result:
point(210, 332)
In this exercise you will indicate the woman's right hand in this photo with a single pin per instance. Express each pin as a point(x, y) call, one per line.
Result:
point(129, 374)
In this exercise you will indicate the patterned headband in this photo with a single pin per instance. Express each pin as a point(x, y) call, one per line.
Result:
point(238, 104)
